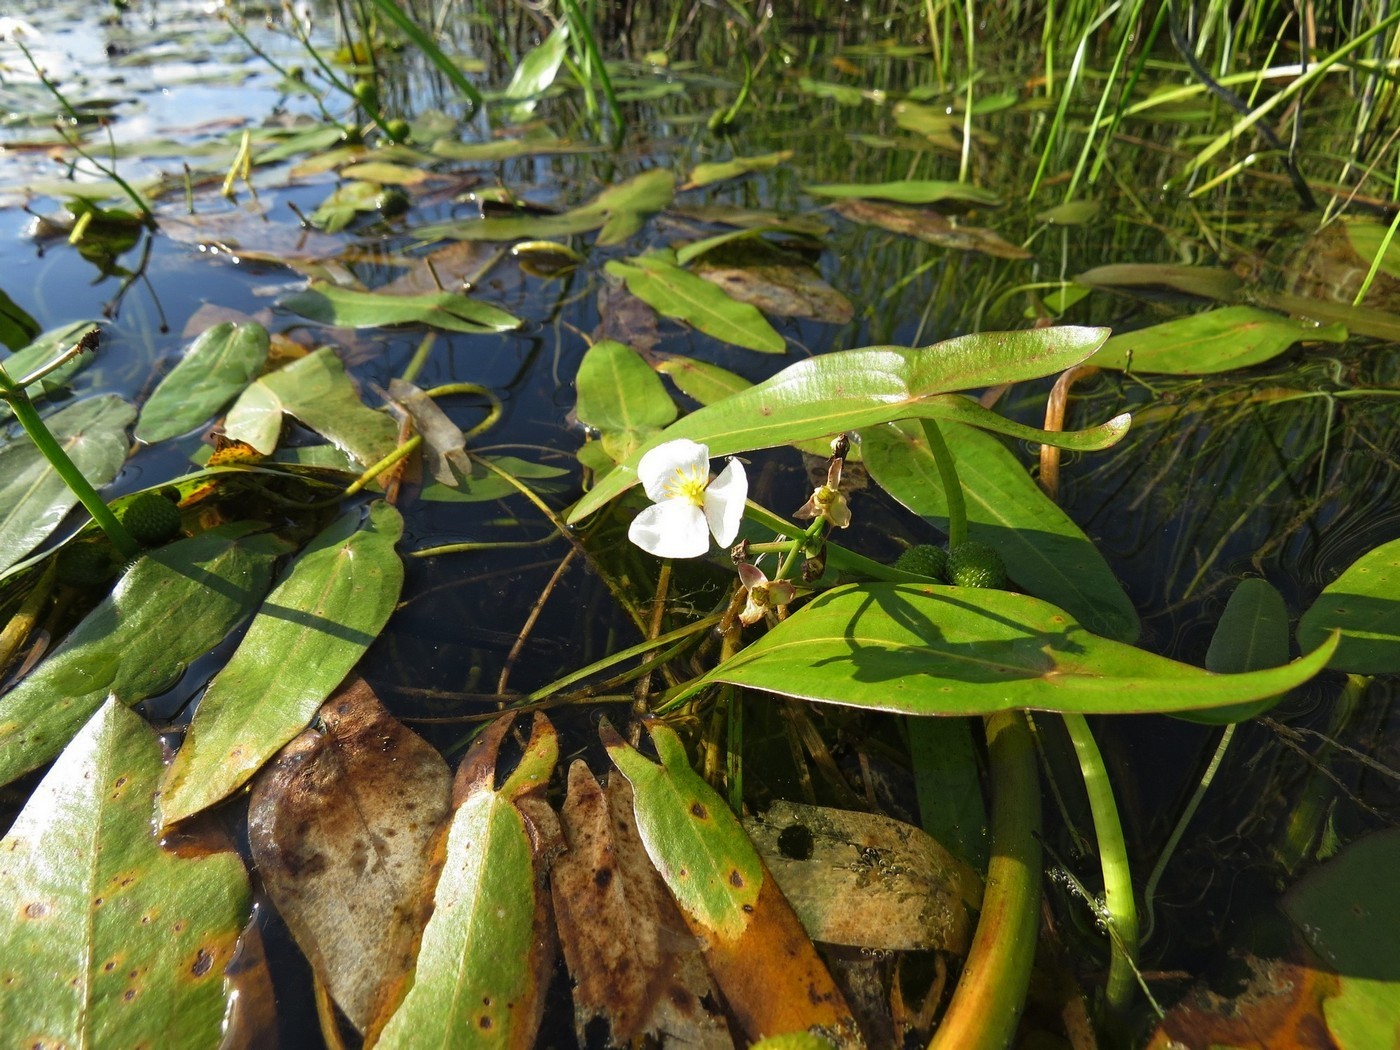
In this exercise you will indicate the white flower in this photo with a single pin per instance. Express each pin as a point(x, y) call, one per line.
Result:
point(10, 28)
point(688, 506)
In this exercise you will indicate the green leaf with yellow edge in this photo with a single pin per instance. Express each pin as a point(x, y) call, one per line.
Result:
point(34, 499)
point(696, 843)
point(934, 650)
point(706, 174)
point(486, 954)
point(172, 606)
point(107, 938)
point(313, 628)
point(763, 961)
point(318, 392)
point(1045, 552)
point(215, 370)
point(1213, 341)
point(850, 389)
point(674, 292)
point(907, 191)
point(1362, 604)
point(350, 308)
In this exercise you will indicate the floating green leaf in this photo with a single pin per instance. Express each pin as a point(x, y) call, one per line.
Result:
point(107, 938)
point(330, 304)
point(508, 149)
point(933, 650)
point(215, 369)
point(1362, 604)
point(1046, 553)
point(482, 484)
point(850, 389)
point(674, 292)
point(41, 351)
point(1214, 341)
point(1209, 282)
point(17, 328)
point(701, 380)
point(1252, 634)
point(620, 396)
point(313, 628)
point(907, 191)
point(172, 606)
point(33, 498)
point(316, 390)
point(535, 73)
point(706, 174)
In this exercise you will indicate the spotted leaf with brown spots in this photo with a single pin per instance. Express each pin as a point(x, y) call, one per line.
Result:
point(762, 960)
point(106, 938)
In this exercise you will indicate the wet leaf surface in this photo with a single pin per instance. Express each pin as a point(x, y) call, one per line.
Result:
point(1362, 604)
point(328, 608)
point(348, 308)
point(170, 607)
point(34, 498)
point(931, 226)
point(620, 396)
point(341, 825)
point(950, 651)
point(760, 957)
point(782, 290)
point(866, 880)
point(1214, 341)
point(106, 938)
point(215, 369)
point(635, 966)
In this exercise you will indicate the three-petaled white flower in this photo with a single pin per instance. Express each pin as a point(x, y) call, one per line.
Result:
point(687, 505)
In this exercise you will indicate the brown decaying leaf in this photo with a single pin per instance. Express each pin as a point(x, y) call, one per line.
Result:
point(866, 880)
point(457, 265)
point(625, 318)
point(781, 290)
point(929, 225)
point(341, 823)
point(1282, 1006)
point(634, 964)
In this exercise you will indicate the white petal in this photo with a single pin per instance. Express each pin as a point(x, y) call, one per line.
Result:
point(724, 502)
point(661, 465)
point(671, 529)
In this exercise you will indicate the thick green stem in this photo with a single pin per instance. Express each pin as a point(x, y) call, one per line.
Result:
point(52, 451)
point(952, 488)
point(1119, 905)
point(987, 1003)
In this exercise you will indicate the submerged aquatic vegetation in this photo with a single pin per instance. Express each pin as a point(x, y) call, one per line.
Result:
point(873, 226)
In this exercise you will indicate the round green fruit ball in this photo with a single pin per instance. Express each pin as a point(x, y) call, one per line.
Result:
point(84, 565)
point(924, 559)
point(396, 129)
point(366, 94)
point(973, 564)
point(392, 202)
point(151, 519)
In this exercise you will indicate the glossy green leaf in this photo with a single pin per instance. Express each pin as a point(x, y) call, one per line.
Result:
point(617, 390)
point(1209, 282)
point(934, 650)
point(107, 938)
point(1342, 909)
point(17, 328)
point(637, 197)
point(707, 174)
point(349, 308)
point(907, 191)
point(695, 841)
point(849, 389)
point(535, 73)
point(701, 380)
point(215, 370)
point(317, 391)
point(474, 984)
point(172, 606)
point(674, 292)
point(1214, 341)
point(313, 628)
point(33, 498)
point(1252, 634)
point(508, 149)
point(1045, 552)
point(38, 353)
point(346, 202)
point(1362, 603)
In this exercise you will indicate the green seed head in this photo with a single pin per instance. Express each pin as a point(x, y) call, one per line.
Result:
point(975, 564)
point(151, 519)
point(392, 202)
point(85, 565)
point(924, 559)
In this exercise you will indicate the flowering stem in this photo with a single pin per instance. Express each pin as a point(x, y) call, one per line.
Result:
point(797, 547)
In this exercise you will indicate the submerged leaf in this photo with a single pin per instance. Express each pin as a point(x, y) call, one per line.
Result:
point(332, 305)
point(849, 389)
point(107, 938)
point(341, 826)
point(907, 191)
point(215, 369)
point(314, 627)
point(934, 650)
point(929, 225)
point(707, 174)
point(173, 605)
point(782, 289)
point(33, 497)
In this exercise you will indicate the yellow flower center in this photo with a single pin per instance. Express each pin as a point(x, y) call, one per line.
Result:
point(688, 484)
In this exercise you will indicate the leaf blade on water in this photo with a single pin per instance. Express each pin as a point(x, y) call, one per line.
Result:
point(215, 370)
point(331, 304)
point(1213, 341)
point(674, 292)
